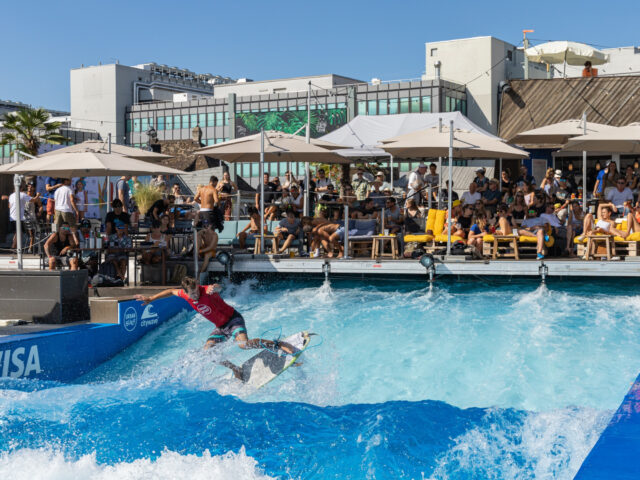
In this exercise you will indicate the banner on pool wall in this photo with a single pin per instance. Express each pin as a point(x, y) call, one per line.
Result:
point(323, 121)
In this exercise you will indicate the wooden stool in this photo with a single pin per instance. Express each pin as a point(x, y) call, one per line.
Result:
point(594, 240)
point(377, 249)
point(257, 243)
point(512, 241)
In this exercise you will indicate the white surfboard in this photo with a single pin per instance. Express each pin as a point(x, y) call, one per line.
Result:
point(266, 365)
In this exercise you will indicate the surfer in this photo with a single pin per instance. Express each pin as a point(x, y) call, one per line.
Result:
point(228, 321)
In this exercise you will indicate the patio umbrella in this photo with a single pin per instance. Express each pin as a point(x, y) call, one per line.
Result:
point(624, 140)
point(558, 133)
point(451, 142)
point(86, 164)
point(572, 53)
point(98, 146)
point(273, 146)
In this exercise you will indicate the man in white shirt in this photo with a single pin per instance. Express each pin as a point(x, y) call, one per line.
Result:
point(66, 208)
point(617, 196)
point(322, 181)
point(472, 196)
point(416, 182)
point(13, 211)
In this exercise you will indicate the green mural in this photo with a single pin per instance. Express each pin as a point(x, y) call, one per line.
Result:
point(323, 121)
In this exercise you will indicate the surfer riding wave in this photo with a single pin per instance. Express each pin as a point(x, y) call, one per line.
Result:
point(228, 321)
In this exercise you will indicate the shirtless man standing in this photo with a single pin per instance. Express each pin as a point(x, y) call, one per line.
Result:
point(207, 244)
point(207, 197)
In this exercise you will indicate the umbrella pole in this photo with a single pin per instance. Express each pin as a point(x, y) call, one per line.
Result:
point(449, 189)
point(391, 172)
point(108, 180)
point(440, 169)
point(500, 176)
point(17, 180)
point(307, 197)
point(262, 224)
point(584, 166)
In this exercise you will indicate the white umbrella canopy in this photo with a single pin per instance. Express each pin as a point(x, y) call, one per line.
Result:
point(86, 164)
point(624, 140)
point(558, 133)
point(278, 147)
point(98, 146)
point(573, 53)
point(435, 143)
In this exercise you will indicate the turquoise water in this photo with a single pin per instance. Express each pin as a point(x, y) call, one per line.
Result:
point(464, 380)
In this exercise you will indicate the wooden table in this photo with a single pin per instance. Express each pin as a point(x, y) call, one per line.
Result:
point(258, 242)
point(512, 240)
point(592, 245)
point(377, 249)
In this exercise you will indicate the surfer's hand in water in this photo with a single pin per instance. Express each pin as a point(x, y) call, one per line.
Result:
point(143, 299)
point(216, 287)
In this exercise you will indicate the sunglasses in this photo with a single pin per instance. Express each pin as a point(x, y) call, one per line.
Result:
point(66, 228)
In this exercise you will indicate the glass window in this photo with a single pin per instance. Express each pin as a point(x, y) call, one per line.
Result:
point(211, 119)
point(202, 119)
point(373, 107)
point(145, 124)
point(362, 108)
point(136, 124)
point(382, 107)
point(404, 105)
point(176, 122)
point(464, 107)
point(185, 121)
point(128, 125)
point(169, 123)
point(226, 118)
point(193, 119)
point(246, 170)
point(302, 107)
point(342, 105)
point(331, 105)
point(415, 104)
point(426, 105)
point(393, 106)
point(211, 141)
point(160, 123)
point(219, 119)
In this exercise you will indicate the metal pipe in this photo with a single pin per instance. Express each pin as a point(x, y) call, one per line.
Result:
point(346, 231)
point(391, 174)
point(584, 166)
point(500, 176)
point(17, 181)
point(237, 207)
point(307, 190)
point(108, 180)
point(195, 252)
point(449, 189)
point(262, 224)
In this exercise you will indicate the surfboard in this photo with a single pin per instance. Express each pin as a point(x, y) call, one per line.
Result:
point(266, 365)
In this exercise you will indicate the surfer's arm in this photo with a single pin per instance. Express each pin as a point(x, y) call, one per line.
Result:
point(165, 293)
point(215, 288)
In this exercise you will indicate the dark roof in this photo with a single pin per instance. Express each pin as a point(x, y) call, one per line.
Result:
point(535, 103)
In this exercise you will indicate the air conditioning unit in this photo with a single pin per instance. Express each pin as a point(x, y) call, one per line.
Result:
point(185, 97)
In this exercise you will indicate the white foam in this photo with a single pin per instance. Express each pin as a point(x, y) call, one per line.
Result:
point(31, 464)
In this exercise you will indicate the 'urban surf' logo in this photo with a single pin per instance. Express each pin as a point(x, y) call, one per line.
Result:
point(130, 319)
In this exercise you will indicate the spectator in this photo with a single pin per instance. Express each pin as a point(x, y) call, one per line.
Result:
point(87, 258)
point(472, 196)
point(504, 223)
point(226, 189)
point(82, 199)
point(524, 177)
point(575, 225)
point(380, 177)
point(444, 194)
point(207, 244)
point(506, 181)
point(366, 210)
point(631, 178)
point(289, 181)
point(550, 182)
point(117, 253)
point(252, 229)
point(619, 195)
point(51, 185)
point(570, 176)
point(270, 211)
point(117, 214)
point(491, 197)
point(322, 182)
point(25, 199)
point(416, 183)
point(66, 209)
point(289, 229)
point(477, 231)
point(360, 185)
point(297, 199)
point(481, 180)
point(604, 224)
point(162, 206)
point(432, 179)
point(518, 208)
point(59, 248)
point(157, 181)
point(533, 226)
point(159, 244)
point(393, 216)
point(379, 199)
point(123, 192)
point(588, 71)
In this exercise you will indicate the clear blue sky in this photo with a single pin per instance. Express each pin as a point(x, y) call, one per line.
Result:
point(269, 39)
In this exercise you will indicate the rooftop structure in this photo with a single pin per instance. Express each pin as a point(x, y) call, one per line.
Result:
point(8, 106)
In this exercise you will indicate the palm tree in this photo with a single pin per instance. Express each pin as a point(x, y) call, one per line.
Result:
point(28, 128)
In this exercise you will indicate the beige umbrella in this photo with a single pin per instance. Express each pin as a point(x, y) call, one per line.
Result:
point(86, 164)
point(617, 140)
point(278, 147)
point(451, 142)
point(558, 133)
point(99, 146)
point(434, 142)
point(573, 53)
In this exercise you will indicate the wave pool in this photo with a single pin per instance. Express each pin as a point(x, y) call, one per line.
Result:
point(464, 380)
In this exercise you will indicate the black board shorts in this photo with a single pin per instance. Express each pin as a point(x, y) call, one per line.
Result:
point(233, 327)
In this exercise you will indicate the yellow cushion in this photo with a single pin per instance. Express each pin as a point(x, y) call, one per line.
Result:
point(418, 238)
point(442, 238)
point(438, 226)
point(525, 239)
point(618, 239)
point(580, 241)
point(489, 239)
point(634, 237)
point(622, 225)
point(431, 219)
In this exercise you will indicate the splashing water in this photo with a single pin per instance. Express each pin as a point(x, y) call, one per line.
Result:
point(456, 381)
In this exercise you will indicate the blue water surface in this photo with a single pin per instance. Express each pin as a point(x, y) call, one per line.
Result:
point(463, 380)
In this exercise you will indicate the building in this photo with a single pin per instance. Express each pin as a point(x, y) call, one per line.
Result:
point(479, 65)
point(100, 94)
point(7, 106)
